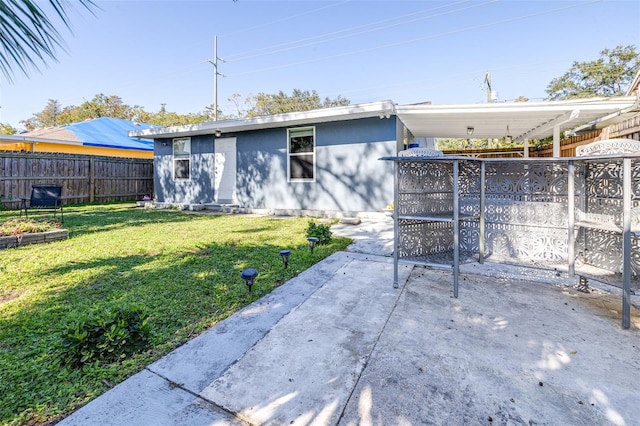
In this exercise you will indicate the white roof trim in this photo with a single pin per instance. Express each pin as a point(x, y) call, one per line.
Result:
point(13, 139)
point(349, 112)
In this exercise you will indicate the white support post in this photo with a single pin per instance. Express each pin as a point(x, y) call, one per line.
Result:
point(556, 141)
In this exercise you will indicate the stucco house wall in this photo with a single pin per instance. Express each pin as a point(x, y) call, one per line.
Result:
point(198, 189)
point(349, 177)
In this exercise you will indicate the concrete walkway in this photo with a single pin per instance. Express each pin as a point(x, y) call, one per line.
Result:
point(338, 345)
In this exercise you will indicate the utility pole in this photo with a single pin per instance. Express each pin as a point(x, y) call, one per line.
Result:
point(214, 62)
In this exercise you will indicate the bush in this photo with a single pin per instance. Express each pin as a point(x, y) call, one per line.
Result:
point(321, 232)
point(107, 337)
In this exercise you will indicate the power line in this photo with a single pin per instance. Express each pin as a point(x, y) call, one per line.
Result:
point(265, 24)
point(415, 40)
point(250, 54)
point(190, 68)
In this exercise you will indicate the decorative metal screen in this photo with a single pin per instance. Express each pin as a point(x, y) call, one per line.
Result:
point(425, 189)
point(425, 202)
point(548, 212)
point(526, 211)
point(599, 194)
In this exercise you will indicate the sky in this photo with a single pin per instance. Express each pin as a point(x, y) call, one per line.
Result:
point(156, 52)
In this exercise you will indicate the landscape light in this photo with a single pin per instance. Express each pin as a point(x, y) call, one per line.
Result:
point(248, 275)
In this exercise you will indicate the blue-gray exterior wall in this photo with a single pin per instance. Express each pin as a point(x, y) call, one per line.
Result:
point(349, 176)
point(197, 189)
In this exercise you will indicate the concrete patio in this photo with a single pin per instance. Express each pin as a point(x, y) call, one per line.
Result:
point(338, 345)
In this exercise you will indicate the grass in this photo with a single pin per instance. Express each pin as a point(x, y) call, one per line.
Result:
point(184, 268)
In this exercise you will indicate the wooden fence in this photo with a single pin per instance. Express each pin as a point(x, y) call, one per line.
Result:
point(84, 178)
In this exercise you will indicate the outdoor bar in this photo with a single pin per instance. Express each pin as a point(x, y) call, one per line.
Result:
point(579, 215)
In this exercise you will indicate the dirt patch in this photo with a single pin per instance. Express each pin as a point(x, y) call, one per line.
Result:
point(606, 305)
point(11, 296)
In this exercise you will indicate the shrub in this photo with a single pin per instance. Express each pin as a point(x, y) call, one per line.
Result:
point(107, 336)
point(320, 231)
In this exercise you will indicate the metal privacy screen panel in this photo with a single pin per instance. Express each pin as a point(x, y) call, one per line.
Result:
point(569, 214)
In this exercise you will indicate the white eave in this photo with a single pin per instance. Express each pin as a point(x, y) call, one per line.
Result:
point(349, 112)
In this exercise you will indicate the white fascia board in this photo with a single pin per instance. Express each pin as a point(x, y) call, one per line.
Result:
point(12, 139)
point(609, 104)
point(348, 112)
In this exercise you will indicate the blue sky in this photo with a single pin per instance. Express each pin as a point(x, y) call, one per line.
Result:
point(157, 51)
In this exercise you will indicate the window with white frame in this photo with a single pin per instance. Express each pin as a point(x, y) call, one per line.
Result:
point(181, 158)
point(301, 153)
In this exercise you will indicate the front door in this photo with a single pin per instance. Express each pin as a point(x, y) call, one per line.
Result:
point(225, 170)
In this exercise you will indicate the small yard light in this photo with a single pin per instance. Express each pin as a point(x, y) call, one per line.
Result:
point(284, 254)
point(248, 275)
point(312, 243)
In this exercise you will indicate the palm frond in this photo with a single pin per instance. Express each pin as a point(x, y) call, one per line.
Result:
point(28, 37)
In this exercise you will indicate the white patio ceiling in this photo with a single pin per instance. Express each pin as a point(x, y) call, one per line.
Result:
point(520, 120)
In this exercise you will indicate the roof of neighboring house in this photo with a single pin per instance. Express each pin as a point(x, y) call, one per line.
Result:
point(104, 132)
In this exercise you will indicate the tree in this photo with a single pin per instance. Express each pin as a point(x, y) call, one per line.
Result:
point(112, 106)
point(28, 35)
point(100, 106)
point(242, 105)
point(607, 76)
point(7, 129)
point(104, 106)
point(48, 117)
point(300, 100)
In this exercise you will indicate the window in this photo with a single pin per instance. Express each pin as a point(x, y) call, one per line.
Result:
point(301, 155)
point(181, 158)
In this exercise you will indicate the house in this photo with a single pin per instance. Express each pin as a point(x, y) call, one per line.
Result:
point(103, 136)
point(322, 160)
point(326, 161)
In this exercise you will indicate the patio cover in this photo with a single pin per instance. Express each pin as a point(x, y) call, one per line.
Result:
point(520, 120)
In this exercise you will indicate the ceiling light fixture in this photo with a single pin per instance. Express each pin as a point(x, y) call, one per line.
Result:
point(470, 130)
point(507, 136)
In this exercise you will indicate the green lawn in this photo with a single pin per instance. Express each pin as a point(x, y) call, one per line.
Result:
point(184, 268)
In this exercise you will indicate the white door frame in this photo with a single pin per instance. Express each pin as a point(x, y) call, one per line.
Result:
point(225, 168)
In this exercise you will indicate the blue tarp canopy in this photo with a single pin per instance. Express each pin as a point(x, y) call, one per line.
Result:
point(107, 132)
